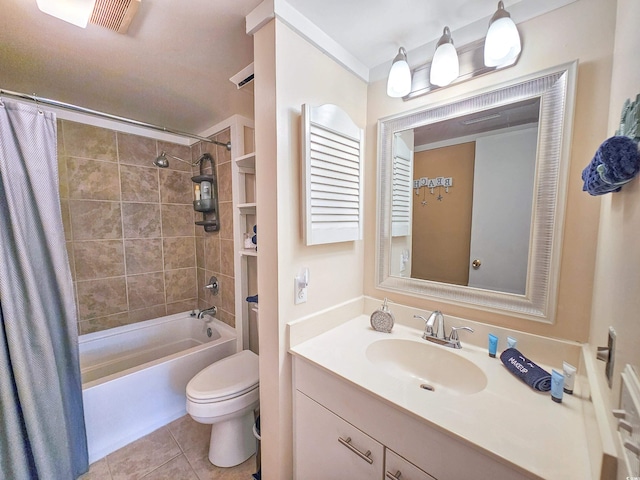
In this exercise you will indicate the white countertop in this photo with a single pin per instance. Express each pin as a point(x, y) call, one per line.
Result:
point(507, 420)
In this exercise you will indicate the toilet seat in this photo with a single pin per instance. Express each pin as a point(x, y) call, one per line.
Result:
point(225, 379)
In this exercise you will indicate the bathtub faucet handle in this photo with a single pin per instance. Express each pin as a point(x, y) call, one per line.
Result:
point(213, 285)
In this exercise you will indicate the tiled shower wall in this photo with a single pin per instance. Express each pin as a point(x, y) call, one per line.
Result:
point(133, 248)
point(214, 250)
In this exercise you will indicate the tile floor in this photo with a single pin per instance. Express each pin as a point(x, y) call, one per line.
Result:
point(177, 451)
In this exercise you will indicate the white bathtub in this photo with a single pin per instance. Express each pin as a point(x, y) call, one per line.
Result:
point(134, 377)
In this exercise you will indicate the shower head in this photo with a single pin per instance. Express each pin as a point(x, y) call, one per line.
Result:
point(161, 161)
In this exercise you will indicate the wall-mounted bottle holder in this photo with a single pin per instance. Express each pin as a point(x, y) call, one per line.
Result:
point(204, 206)
point(207, 200)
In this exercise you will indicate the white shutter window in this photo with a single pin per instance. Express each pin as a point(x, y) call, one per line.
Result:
point(401, 202)
point(332, 175)
point(402, 185)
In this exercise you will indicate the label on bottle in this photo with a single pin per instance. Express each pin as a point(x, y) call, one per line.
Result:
point(205, 190)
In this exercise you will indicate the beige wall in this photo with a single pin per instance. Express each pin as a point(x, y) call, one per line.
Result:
point(289, 73)
point(133, 248)
point(616, 299)
point(581, 30)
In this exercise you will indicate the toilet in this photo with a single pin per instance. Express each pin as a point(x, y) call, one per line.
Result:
point(225, 395)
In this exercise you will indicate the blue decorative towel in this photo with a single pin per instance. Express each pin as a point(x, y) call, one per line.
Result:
point(615, 163)
point(526, 370)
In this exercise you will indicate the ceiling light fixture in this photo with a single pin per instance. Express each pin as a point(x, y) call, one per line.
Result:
point(399, 81)
point(502, 45)
point(481, 119)
point(445, 66)
point(76, 12)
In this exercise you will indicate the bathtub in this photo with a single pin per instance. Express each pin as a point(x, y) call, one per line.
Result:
point(134, 377)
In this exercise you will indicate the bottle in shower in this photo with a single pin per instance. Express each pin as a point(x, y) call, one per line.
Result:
point(205, 190)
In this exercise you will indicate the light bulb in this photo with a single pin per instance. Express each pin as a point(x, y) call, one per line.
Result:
point(445, 66)
point(399, 80)
point(502, 45)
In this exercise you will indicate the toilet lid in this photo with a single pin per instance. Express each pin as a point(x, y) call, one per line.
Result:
point(226, 378)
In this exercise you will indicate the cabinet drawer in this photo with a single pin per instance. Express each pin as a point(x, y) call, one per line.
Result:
point(397, 468)
point(326, 447)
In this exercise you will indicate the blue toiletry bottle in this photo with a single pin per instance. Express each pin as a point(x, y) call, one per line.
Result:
point(493, 345)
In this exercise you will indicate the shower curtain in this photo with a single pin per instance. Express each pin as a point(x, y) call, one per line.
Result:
point(42, 433)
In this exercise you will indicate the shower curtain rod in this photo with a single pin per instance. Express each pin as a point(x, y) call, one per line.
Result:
point(96, 113)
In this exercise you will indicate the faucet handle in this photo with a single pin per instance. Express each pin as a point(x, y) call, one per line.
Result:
point(454, 333)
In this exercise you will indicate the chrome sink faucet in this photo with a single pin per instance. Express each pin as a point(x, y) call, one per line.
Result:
point(437, 318)
point(434, 330)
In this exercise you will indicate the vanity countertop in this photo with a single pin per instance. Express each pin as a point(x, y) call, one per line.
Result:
point(507, 420)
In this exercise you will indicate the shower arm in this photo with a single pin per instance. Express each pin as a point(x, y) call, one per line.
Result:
point(161, 160)
point(193, 164)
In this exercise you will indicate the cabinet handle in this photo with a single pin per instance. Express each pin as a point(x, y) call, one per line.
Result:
point(391, 476)
point(365, 456)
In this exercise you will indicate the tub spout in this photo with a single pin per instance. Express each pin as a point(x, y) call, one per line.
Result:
point(208, 311)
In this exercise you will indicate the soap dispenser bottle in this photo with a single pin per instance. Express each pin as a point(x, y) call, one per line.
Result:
point(382, 319)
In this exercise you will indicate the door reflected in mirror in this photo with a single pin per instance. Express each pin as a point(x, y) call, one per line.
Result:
point(462, 198)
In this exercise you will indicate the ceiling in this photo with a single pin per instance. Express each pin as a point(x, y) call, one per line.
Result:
point(172, 67)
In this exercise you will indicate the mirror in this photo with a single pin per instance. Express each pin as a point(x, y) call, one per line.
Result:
point(471, 196)
point(465, 187)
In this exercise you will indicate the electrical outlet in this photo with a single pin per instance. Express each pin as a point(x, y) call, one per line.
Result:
point(300, 285)
point(300, 293)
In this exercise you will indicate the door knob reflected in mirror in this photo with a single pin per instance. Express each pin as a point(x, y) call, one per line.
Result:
point(476, 264)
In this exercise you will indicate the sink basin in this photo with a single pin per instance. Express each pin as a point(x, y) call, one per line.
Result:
point(429, 366)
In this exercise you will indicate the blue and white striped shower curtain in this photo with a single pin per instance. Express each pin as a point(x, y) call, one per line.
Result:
point(42, 432)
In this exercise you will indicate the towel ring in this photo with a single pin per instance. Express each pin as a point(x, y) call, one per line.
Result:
point(601, 168)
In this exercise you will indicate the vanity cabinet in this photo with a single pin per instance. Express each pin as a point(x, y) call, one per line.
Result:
point(397, 468)
point(327, 407)
point(327, 447)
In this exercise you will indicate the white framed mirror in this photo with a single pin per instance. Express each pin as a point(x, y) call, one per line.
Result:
point(471, 196)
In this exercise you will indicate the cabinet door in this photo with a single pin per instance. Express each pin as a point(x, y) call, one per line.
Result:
point(397, 468)
point(327, 448)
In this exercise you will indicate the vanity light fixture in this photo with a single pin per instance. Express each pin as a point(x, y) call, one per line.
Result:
point(499, 49)
point(502, 45)
point(445, 66)
point(76, 12)
point(399, 81)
